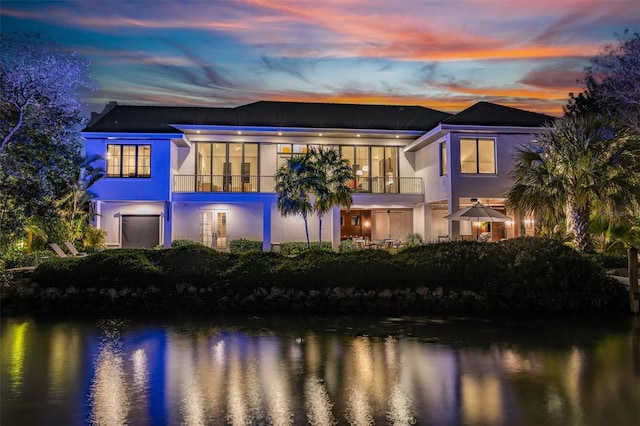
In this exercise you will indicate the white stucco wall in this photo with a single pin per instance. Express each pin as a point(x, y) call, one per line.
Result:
point(427, 163)
point(486, 186)
point(243, 220)
point(156, 187)
point(291, 228)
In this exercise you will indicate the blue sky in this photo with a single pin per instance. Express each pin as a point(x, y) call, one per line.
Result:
point(443, 54)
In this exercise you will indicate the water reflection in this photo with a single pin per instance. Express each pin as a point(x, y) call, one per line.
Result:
point(18, 344)
point(109, 391)
point(319, 406)
point(213, 374)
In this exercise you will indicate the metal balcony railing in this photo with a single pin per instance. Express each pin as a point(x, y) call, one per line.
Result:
point(246, 183)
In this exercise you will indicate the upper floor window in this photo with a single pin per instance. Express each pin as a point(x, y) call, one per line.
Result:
point(286, 150)
point(443, 158)
point(227, 166)
point(375, 168)
point(129, 161)
point(477, 155)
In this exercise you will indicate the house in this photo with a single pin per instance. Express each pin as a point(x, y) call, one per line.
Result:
point(206, 174)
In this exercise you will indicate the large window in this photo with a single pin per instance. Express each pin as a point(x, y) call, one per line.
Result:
point(129, 161)
point(477, 155)
point(375, 168)
point(222, 166)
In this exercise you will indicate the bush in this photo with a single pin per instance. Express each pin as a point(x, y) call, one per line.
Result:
point(193, 263)
point(255, 269)
point(17, 259)
point(611, 260)
point(243, 245)
point(413, 240)
point(94, 238)
point(105, 269)
point(457, 265)
point(545, 274)
point(183, 242)
point(524, 275)
point(347, 246)
point(294, 248)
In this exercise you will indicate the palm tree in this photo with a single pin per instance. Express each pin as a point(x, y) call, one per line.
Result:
point(607, 232)
point(578, 164)
point(331, 183)
point(77, 195)
point(293, 186)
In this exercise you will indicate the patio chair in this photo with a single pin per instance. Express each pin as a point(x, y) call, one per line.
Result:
point(57, 250)
point(484, 237)
point(73, 250)
point(388, 244)
point(360, 244)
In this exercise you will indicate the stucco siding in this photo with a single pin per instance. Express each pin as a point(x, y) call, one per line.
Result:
point(156, 187)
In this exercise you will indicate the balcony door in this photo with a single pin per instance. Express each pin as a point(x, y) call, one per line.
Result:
point(213, 229)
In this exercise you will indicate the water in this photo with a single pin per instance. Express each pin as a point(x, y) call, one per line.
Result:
point(321, 371)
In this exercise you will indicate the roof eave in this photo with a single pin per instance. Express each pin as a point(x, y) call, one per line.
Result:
point(266, 130)
point(130, 135)
point(439, 131)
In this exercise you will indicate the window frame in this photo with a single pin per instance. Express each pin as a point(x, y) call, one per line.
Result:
point(477, 141)
point(443, 158)
point(137, 166)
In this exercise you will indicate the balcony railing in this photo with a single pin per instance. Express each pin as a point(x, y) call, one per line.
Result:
point(246, 183)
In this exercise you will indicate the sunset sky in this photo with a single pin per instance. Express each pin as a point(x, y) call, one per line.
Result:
point(442, 54)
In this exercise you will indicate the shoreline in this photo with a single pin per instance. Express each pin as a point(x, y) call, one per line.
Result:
point(26, 297)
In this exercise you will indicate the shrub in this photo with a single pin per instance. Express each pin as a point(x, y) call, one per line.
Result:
point(520, 275)
point(369, 269)
point(64, 272)
point(193, 263)
point(94, 238)
point(255, 269)
point(458, 265)
point(104, 269)
point(17, 259)
point(347, 246)
point(611, 260)
point(243, 245)
point(413, 240)
point(294, 248)
point(183, 242)
point(545, 274)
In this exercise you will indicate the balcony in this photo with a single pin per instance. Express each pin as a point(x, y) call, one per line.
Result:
point(246, 183)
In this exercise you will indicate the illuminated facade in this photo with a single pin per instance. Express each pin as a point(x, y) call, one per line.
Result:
point(206, 174)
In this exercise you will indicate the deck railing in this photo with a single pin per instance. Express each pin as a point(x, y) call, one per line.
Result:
point(247, 183)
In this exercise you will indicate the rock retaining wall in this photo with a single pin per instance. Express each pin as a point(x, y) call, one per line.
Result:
point(26, 297)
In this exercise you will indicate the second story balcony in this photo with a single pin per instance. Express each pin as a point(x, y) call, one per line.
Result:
point(247, 183)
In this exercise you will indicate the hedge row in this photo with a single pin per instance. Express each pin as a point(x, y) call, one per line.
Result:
point(518, 274)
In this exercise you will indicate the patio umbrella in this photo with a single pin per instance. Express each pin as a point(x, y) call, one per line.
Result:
point(478, 213)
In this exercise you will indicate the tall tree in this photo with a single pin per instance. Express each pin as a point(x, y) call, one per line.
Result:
point(578, 164)
point(293, 187)
point(40, 119)
point(613, 81)
point(39, 87)
point(332, 177)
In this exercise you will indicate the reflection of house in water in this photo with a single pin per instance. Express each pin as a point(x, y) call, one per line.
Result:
point(206, 174)
point(216, 375)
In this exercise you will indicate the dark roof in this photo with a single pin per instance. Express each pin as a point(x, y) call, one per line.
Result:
point(139, 119)
point(488, 114)
point(151, 119)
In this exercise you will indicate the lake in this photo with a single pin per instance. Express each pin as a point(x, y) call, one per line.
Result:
point(319, 370)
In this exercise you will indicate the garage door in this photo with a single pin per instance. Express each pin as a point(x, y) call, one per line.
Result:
point(140, 231)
